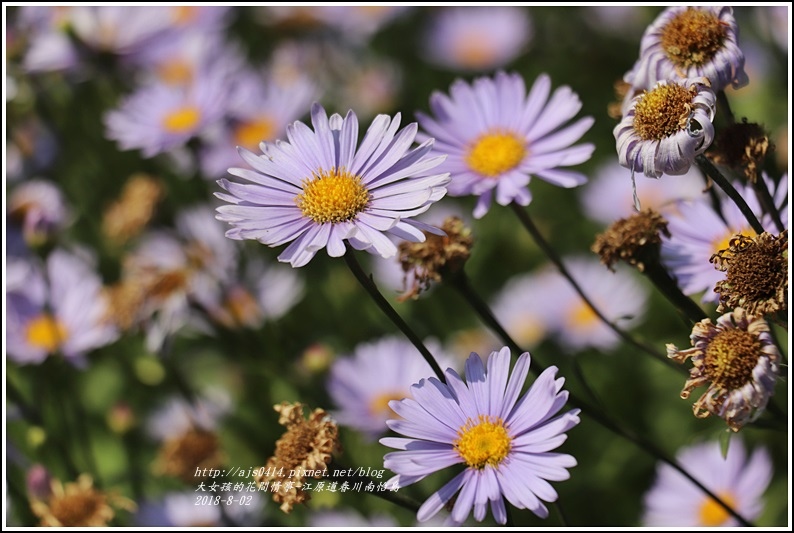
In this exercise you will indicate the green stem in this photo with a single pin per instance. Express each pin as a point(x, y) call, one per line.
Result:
point(552, 255)
point(389, 311)
point(712, 172)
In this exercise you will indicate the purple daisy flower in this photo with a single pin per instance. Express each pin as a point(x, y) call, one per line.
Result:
point(160, 117)
point(505, 442)
point(64, 312)
point(478, 38)
point(738, 480)
point(663, 129)
point(363, 385)
point(497, 136)
point(691, 42)
point(321, 189)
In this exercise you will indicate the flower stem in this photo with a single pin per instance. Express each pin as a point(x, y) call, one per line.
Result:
point(460, 282)
point(722, 101)
point(388, 310)
point(552, 255)
point(670, 289)
point(712, 172)
point(768, 203)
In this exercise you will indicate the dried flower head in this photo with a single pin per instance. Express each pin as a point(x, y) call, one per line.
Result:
point(77, 504)
point(635, 240)
point(738, 360)
point(756, 274)
point(427, 262)
point(303, 452)
point(127, 216)
point(189, 455)
point(741, 146)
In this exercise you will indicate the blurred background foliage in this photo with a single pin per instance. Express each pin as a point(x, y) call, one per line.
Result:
point(62, 417)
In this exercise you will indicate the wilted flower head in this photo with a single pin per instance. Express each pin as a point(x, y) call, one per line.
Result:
point(756, 274)
point(738, 480)
point(665, 127)
point(691, 42)
point(427, 262)
point(498, 137)
point(741, 146)
point(303, 452)
point(504, 441)
point(635, 240)
point(77, 504)
point(477, 38)
point(321, 189)
point(738, 359)
point(126, 217)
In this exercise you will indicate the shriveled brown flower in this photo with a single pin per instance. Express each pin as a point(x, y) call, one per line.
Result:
point(635, 240)
point(303, 452)
point(127, 216)
point(427, 262)
point(738, 360)
point(756, 274)
point(743, 147)
point(77, 504)
point(189, 456)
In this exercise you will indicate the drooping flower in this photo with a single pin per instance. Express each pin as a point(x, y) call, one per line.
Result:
point(698, 231)
point(320, 189)
point(303, 452)
point(738, 480)
point(756, 274)
point(636, 240)
point(477, 38)
point(504, 441)
point(498, 137)
point(665, 127)
point(691, 42)
point(738, 360)
point(363, 384)
point(63, 312)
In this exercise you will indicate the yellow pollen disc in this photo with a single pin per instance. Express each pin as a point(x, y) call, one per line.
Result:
point(730, 358)
point(332, 196)
point(725, 242)
point(175, 72)
point(483, 443)
point(495, 153)
point(713, 514)
point(693, 37)
point(250, 134)
point(528, 329)
point(662, 112)
point(45, 331)
point(582, 316)
point(473, 51)
point(379, 405)
point(182, 120)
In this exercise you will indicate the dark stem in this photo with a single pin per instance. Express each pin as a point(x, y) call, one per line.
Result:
point(670, 289)
point(459, 281)
point(722, 101)
point(768, 203)
point(712, 172)
point(552, 255)
point(389, 311)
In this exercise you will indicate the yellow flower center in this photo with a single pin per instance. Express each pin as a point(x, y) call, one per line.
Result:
point(496, 153)
point(731, 357)
point(473, 51)
point(175, 72)
point(182, 120)
point(79, 509)
point(528, 330)
point(332, 196)
point(582, 316)
point(250, 134)
point(379, 405)
point(47, 332)
point(662, 112)
point(485, 442)
point(712, 514)
point(693, 37)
